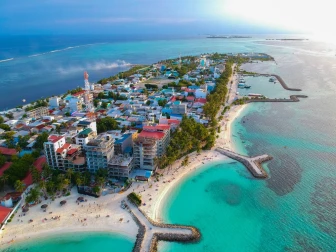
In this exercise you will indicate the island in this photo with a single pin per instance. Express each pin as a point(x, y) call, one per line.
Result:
point(102, 157)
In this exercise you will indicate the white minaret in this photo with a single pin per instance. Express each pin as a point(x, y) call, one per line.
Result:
point(87, 99)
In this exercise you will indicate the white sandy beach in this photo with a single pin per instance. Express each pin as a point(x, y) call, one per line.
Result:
point(153, 194)
point(71, 218)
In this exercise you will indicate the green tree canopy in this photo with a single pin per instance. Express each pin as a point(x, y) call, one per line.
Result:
point(106, 124)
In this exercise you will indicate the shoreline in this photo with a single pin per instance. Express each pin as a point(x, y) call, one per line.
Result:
point(154, 194)
point(110, 204)
point(61, 232)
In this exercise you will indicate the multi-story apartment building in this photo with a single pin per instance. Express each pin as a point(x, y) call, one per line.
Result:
point(120, 166)
point(122, 143)
point(63, 156)
point(161, 133)
point(85, 136)
point(144, 153)
point(99, 152)
point(151, 143)
point(38, 112)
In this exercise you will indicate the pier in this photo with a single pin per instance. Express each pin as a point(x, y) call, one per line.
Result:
point(281, 81)
point(151, 232)
point(253, 164)
point(292, 98)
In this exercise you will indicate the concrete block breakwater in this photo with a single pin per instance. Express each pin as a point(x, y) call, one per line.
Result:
point(292, 98)
point(151, 232)
point(253, 164)
point(281, 81)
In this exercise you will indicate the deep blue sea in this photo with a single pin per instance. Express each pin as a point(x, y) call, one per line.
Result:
point(294, 209)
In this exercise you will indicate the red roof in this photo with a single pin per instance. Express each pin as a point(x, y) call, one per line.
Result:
point(173, 98)
point(72, 151)
point(54, 138)
point(40, 162)
point(5, 167)
point(28, 180)
point(7, 151)
point(39, 127)
point(66, 146)
point(190, 98)
point(173, 121)
point(201, 100)
point(79, 93)
point(13, 195)
point(4, 212)
point(189, 90)
point(148, 134)
point(60, 150)
point(157, 127)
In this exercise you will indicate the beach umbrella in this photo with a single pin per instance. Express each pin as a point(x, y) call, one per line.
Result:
point(44, 206)
point(63, 202)
point(25, 209)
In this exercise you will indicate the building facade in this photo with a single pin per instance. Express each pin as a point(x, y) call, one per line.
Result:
point(120, 166)
point(63, 156)
point(151, 143)
point(99, 152)
point(38, 112)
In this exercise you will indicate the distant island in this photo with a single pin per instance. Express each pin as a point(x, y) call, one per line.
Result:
point(228, 37)
point(294, 39)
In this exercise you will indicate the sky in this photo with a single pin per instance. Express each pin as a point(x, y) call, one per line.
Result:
point(189, 17)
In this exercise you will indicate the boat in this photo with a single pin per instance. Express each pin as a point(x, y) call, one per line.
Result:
point(241, 80)
point(247, 86)
point(271, 79)
point(241, 85)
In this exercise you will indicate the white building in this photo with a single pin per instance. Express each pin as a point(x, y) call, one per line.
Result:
point(200, 93)
point(54, 102)
point(74, 104)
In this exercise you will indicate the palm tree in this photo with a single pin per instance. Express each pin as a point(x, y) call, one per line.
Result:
point(33, 195)
point(46, 171)
point(43, 186)
point(65, 184)
point(79, 181)
point(19, 186)
point(69, 173)
point(100, 181)
point(50, 188)
point(4, 179)
point(36, 175)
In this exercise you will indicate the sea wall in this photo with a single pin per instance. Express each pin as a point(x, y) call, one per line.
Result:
point(281, 81)
point(292, 98)
point(187, 238)
point(248, 162)
point(141, 233)
point(194, 236)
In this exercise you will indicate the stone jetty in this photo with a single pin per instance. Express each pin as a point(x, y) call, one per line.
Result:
point(281, 81)
point(253, 164)
point(151, 232)
point(292, 98)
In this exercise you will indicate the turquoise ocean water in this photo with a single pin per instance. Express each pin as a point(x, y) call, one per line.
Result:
point(295, 208)
point(90, 242)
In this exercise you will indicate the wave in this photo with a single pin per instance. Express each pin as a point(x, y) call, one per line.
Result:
point(64, 49)
point(94, 66)
point(6, 60)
